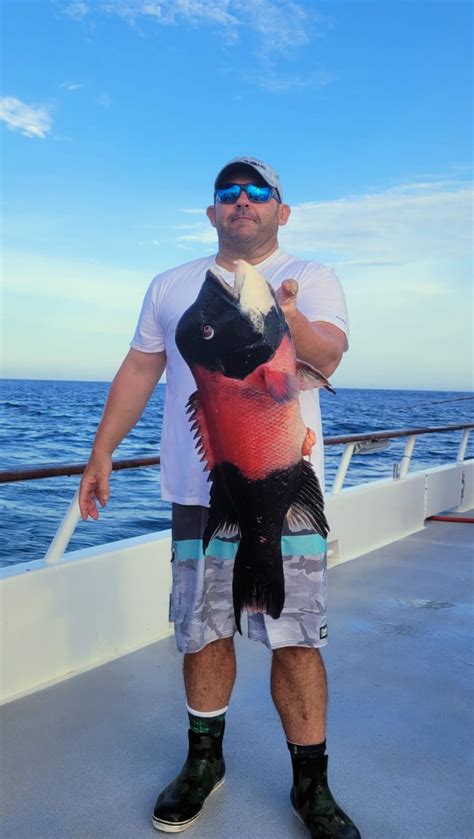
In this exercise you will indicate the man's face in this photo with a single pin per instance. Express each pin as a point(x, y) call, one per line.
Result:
point(245, 227)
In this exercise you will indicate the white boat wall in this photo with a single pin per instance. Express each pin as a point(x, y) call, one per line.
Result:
point(67, 613)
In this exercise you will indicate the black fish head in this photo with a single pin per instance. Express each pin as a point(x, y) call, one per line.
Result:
point(232, 329)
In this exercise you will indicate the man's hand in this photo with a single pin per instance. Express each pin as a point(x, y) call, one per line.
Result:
point(95, 484)
point(286, 296)
point(319, 343)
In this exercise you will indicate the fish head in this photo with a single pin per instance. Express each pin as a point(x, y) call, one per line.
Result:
point(232, 329)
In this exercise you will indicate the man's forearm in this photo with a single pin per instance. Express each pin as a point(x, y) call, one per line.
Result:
point(315, 344)
point(128, 396)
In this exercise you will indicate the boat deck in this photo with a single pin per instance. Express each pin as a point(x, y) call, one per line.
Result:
point(87, 757)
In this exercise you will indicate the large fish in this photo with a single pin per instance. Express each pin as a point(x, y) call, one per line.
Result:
point(246, 417)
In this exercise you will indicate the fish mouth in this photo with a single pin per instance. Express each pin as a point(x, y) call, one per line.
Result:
point(233, 292)
point(229, 290)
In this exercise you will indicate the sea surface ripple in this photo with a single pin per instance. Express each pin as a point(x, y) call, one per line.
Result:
point(55, 421)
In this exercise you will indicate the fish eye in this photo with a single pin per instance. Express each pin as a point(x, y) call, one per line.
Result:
point(207, 332)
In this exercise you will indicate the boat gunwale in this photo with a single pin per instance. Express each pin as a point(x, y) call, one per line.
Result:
point(53, 470)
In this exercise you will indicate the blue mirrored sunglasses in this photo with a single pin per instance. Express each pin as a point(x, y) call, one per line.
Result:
point(230, 193)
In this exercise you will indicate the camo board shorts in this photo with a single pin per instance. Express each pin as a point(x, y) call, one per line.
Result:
point(201, 600)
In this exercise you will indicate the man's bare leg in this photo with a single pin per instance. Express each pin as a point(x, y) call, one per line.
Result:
point(299, 691)
point(209, 675)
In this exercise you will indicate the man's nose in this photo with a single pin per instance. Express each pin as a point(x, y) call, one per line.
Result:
point(242, 200)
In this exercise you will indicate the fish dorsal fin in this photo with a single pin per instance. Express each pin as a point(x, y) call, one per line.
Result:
point(310, 377)
point(222, 520)
point(199, 426)
point(307, 509)
point(283, 387)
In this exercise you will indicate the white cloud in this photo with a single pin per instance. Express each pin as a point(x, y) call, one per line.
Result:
point(31, 120)
point(279, 24)
point(403, 224)
point(171, 11)
point(77, 11)
point(282, 25)
point(276, 81)
point(71, 86)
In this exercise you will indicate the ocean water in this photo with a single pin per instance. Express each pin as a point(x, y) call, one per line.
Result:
point(55, 421)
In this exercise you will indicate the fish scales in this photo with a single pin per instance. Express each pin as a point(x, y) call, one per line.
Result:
point(247, 426)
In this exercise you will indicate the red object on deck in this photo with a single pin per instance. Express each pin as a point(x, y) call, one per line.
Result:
point(461, 519)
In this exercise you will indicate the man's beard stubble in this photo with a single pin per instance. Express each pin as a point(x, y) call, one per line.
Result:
point(243, 246)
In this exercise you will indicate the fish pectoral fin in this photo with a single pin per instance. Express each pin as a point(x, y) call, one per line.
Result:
point(310, 378)
point(199, 426)
point(283, 387)
point(222, 520)
point(307, 509)
point(308, 442)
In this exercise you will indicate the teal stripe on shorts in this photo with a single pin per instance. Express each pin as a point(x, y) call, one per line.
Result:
point(306, 544)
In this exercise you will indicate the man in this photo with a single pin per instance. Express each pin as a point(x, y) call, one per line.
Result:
point(247, 213)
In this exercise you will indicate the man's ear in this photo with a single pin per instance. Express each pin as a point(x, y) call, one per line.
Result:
point(211, 214)
point(283, 213)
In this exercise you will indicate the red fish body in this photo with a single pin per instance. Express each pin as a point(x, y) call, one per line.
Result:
point(245, 423)
point(247, 420)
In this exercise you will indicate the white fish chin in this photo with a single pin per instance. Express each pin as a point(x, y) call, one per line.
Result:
point(254, 294)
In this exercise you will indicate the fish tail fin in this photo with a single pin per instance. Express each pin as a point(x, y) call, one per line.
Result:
point(257, 588)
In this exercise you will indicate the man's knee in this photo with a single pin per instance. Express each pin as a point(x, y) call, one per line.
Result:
point(296, 653)
point(220, 647)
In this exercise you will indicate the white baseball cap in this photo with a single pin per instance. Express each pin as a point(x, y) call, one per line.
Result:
point(263, 169)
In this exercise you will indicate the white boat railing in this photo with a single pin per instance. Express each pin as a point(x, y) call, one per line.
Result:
point(64, 532)
point(354, 444)
point(365, 443)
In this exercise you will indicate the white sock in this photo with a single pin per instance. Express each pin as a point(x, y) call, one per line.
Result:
point(206, 714)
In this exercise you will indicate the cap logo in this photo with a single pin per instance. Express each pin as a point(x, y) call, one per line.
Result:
point(254, 163)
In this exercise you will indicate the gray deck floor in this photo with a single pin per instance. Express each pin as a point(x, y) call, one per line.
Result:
point(86, 758)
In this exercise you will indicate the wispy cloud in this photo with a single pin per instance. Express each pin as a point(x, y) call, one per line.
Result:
point(172, 11)
point(70, 86)
point(277, 29)
point(282, 24)
point(77, 11)
point(272, 79)
point(31, 120)
point(400, 225)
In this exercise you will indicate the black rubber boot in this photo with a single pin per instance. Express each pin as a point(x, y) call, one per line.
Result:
point(313, 801)
point(181, 802)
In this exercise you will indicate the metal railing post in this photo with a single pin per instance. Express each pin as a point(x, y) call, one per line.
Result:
point(405, 461)
point(463, 446)
point(64, 532)
point(343, 467)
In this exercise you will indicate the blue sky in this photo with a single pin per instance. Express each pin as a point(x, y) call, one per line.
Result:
point(116, 117)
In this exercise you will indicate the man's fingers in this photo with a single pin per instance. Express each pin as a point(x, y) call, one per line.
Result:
point(87, 504)
point(290, 287)
point(287, 292)
point(95, 485)
point(92, 487)
point(103, 492)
